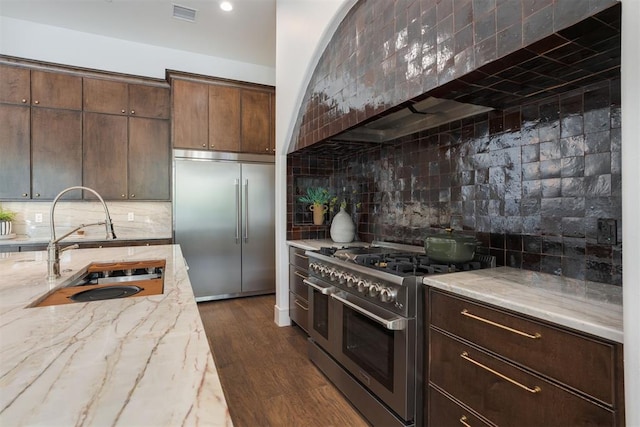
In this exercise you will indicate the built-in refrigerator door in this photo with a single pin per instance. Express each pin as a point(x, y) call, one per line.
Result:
point(207, 203)
point(258, 234)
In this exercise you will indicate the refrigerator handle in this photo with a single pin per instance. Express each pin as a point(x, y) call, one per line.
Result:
point(246, 210)
point(237, 210)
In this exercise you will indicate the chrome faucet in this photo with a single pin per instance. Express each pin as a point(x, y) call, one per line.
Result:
point(53, 249)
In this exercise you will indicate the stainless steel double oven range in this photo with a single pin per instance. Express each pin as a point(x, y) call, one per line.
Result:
point(366, 325)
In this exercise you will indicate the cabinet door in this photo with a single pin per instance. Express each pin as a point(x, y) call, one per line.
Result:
point(272, 123)
point(56, 90)
point(104, 164)
point(258, 228)
point(15, 85)
point(148, 159)
point(14, 152)
point(256, 130)
point(56, 145)
point(149, 101)
point(190, 114)
point(105, 96)
point(224, 118)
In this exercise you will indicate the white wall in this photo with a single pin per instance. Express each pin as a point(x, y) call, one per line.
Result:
point(631, 206)
point(30, 40)
point(303, 29)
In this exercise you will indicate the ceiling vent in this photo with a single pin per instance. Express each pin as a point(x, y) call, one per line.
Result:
point(184, 13)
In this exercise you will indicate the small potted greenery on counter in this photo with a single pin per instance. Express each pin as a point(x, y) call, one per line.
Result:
point(318, 198)
point(6, 221)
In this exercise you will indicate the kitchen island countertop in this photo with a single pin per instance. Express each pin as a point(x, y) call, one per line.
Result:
point(589, 307)
point(137, 361)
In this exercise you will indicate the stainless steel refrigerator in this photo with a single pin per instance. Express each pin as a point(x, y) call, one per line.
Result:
point(224, 221)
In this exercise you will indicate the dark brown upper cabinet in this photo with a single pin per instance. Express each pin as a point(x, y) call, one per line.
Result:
point(116, 97)
point(222, 115)
point(56, 90)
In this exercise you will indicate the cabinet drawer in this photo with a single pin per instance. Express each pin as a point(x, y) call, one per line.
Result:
point(503, 393)
point(577, 361)
point(296, 284)
point(298, 258)
point(298, 309)
point(444, 412)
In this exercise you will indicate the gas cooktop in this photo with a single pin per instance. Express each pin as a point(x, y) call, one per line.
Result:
point(403, 260)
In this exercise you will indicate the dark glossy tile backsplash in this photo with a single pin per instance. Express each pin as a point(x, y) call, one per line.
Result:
point(493, 52)
point(529, 182)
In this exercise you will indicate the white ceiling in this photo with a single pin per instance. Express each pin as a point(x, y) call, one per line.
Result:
point(246, 34)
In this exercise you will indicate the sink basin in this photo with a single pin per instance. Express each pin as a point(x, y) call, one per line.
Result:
point(101, 281)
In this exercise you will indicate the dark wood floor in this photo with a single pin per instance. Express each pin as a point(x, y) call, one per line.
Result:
point(266, 375)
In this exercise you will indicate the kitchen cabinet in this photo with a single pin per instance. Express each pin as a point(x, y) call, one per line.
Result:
point(298, 290)
point(118, 97)
point(63, 126)
point(224, 118)
point(256, 121)
point(499, 366)
point(41, 134)
point(222, 115)
point(56, 90)
point(190, 114)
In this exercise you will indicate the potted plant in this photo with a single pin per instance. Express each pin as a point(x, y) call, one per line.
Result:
point(318, 198)
point(6, 221)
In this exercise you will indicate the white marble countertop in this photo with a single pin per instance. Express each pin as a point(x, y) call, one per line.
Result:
point(590, 307)
point(137, 361)
point(23, 239)
point(311, 245)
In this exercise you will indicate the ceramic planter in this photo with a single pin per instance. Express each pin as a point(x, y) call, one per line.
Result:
point(342, 228)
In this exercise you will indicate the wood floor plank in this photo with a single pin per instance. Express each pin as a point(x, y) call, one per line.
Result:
point(265, 372)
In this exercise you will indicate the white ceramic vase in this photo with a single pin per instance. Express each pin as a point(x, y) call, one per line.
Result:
point(342, 228)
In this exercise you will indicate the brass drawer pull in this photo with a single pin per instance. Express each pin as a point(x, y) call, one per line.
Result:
point(463, 421)
point(300, 275)
point(515, 331)
point(301, 306)
point(301, 256)
point(466, 357)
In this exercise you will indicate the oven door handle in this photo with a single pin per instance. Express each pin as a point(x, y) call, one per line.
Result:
point(394, 324)
point(324, 291)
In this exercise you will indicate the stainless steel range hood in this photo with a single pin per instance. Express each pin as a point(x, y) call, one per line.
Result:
point(425, 114)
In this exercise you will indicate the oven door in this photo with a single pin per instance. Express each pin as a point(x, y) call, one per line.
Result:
point(320, 312)
point(377, 349)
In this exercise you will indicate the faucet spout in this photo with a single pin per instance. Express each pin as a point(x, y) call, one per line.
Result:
point(53, 249)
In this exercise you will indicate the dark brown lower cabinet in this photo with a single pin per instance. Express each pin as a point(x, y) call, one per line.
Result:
point(488, 366)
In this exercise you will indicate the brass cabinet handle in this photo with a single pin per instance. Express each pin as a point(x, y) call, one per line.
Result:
point(24, 101)
point(463, 421)
point(466, 357)
point(133, 111)
point(300, 275)
point(535, 336)
point(204, 145)
point(36, 102)
point(25, 194)
point(133, 196)
point(123, 195)
point(302, 256)
point(301, 306)
point(123, 111)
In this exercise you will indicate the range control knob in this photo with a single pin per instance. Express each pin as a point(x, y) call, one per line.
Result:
point(388, 295)
point(313, 267)
point(374, 289)
point(342, 277)
point(363, 285)
point(333, 274)
point(351, 280)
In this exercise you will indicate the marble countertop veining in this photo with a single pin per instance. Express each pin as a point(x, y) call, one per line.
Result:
point(137, 361)
point(590, 307)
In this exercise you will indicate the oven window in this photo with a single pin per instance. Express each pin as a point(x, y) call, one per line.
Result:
point(321, 314)
point(369, 345)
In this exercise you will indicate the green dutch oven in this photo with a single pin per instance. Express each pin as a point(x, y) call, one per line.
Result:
point(450, 247)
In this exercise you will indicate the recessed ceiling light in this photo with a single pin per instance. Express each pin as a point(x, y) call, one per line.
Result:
point(226, 6)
